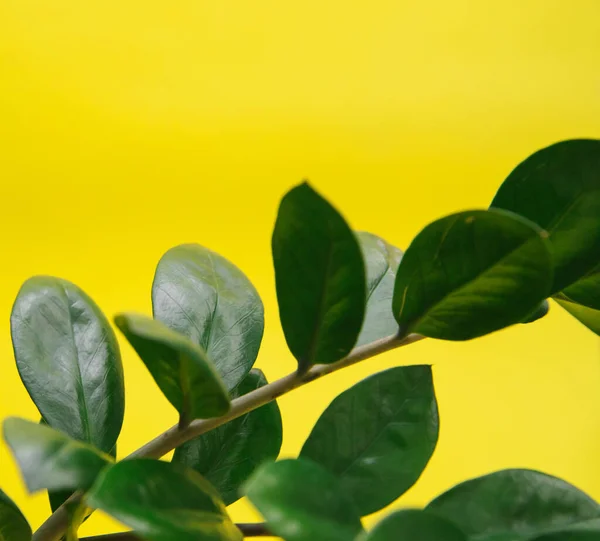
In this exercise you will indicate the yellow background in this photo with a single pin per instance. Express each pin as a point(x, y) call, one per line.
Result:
point(130, 126)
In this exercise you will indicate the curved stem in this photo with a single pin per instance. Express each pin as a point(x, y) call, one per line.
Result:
point(54, 528)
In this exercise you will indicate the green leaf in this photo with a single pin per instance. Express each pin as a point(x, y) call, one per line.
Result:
point(181, 369)
point(13, 525)
point(515, 501)
point(162, 501)
point(541, 311)
point(558, 188)
point(588, 316)
point(582, 300)
point(301, 501)
point(69, 360)
point(320, 279)
point(203, 296)
point(471, 274)
point(378, 436)
point(588, 530)
point(49, 459)
point(229, 454)
point(414, 525)
point(381, 260)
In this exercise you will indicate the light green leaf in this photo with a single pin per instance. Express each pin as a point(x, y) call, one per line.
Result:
point(13, 525)
point(588, 316)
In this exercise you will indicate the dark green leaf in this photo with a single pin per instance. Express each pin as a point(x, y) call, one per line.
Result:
point(588, 530)
point(381, 260)
point(540, 312)
point(320, 278)
point(558, 188)
point(414, 525)
point(588, 316)
point(301, 501)
point(180, 368)
point(68, 358)
point(13, 525)
point(162, 501)
point(229, 454)
point(203, 296)
point(470, 274)
point(49, 459)
point(378, 436)
point(519, 502)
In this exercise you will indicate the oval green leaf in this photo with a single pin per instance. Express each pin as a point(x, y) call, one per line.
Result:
point(471, 274)
point(201, 295)
point(13, 525)
point(381, 260)
point(181, 369)
point(320, 278)
point(69, 360)
point(530, 504)
point(49, 459)
point(378, 436)
point(229, 454)
point(558, 188)
point(301, 501)
point(414, 525)
point(162, 501)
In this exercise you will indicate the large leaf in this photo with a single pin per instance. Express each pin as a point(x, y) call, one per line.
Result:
point(378, 436)
point(227, 455)
point(13, 525)
point(320, 278)
point(68, 358)
point(162, 501)
point(414, 525)
point(519, 502)
point(470, 274)
point(203, 296)
point(302, 502)
point(49, 459)
point(584, 531)
point(558, 188)
point(180, 368)
point(381, 260)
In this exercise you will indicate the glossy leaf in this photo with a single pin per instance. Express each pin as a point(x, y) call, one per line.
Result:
point(69, 360)
point(162, 501)
point(201, 295)
point(301, 501)
point(181, 369)
point(13, 525)
point(381, 260)
point(470, 274)
point(541, 311)
point(229, 454)
point(558, 188)
point(520, 502)
point(378, 436)
point(320, 278)
point(49, 459)
point(588, 316)
point(414, 525)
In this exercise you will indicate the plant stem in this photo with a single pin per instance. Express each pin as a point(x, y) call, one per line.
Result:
point(248, 530)
point(55, 526)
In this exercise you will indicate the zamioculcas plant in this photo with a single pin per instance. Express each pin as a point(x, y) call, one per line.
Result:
point(343, 297)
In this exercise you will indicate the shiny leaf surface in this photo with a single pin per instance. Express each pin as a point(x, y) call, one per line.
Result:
point(181, 369)
point(378, 436)
point(229, 454)
point(470, 274)
point(13, 525)
point(540, 312)
point(161, 501)
point(301, 501)
point(320, 278)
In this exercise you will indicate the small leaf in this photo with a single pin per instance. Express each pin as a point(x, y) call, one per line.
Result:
point(414, 525)
point(471, 274)
point(302, 502)
point(541, 311)
point(558, 188)
point(13, 525)
point(588, 316)
point(320, 279)
point(69, 360)
point(201, 295)
point(381, 260)
point(378, 436)
point(519, 502)
point(582, 300)
point(162, 501)
point(180, 368)
point(229, 454)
